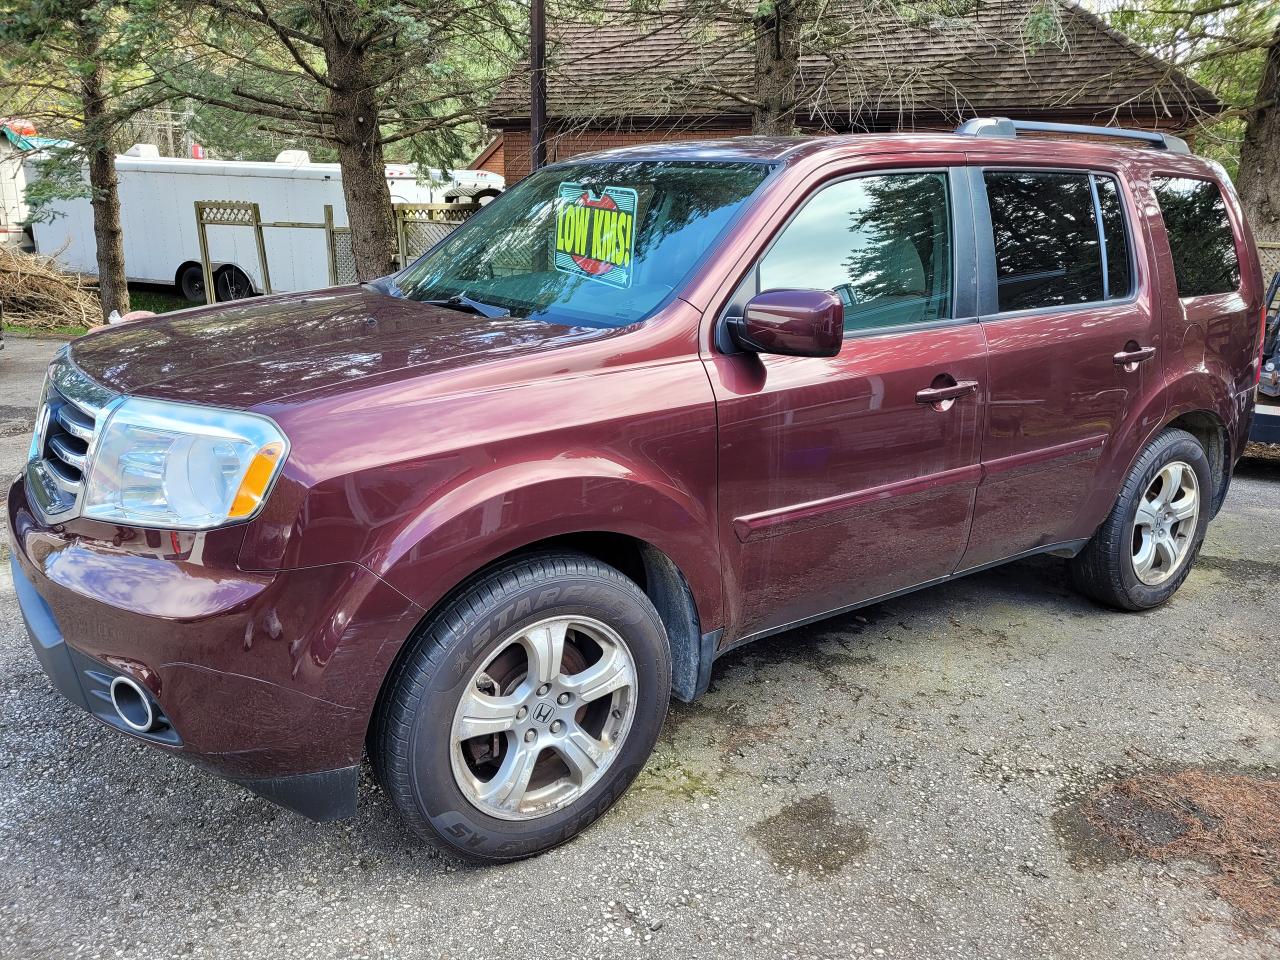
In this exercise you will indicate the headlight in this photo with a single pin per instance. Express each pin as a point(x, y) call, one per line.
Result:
point(181, 467)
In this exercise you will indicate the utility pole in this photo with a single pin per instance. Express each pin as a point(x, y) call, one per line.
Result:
point(537, 85)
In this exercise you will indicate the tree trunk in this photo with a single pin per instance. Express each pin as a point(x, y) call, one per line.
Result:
point(113, 289)
point(1259, 178)
point(777, 68)
point(364, 178)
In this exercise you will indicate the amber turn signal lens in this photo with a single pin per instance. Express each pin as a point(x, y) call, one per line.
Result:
point(254, 485)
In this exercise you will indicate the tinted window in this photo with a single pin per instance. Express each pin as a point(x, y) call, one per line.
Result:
point(600, 243)
point(882, 243)
point(1047, 248)
point(1200, 237)
point(1119, 269)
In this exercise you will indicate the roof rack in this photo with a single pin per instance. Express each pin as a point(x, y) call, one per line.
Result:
point(1004, 128)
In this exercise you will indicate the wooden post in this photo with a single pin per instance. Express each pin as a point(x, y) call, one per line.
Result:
point(537, 85)
point(205, 267)
point(262, 249)
point(330, 250)
point(402, 246)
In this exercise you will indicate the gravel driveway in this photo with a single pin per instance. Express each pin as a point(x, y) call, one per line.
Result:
point(902, 782)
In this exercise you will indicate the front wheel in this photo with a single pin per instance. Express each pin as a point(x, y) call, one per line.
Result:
point(1145, 548)
point(526, 708)
point(191, 283)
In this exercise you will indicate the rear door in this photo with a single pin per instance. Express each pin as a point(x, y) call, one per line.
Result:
point(839, 481)
point(1075, 344)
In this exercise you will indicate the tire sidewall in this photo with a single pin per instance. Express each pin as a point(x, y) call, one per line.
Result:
point(440, 802)
point(189, 286)
point(1188, 450)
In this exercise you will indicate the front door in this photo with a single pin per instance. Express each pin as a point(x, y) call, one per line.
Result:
point(1074, 346)
point(840, 479)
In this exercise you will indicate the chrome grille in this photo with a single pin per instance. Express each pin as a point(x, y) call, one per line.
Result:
point(72, 410)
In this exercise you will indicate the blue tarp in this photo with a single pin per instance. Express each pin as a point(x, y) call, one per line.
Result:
point(23, 142)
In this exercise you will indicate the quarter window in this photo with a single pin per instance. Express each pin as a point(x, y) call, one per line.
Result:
point(1200, 237)
point(881, 243)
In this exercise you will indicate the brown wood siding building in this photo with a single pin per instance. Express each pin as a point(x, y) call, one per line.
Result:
point(662, 77)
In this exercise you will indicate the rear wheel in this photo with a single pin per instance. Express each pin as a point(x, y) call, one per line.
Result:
point(525, 708)
point(231, 283)
point(1147, 545)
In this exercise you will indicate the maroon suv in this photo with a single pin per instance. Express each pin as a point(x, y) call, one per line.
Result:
point(484, 517)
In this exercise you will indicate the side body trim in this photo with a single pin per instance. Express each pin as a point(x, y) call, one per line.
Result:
point(1066, 548)
point(815, 513)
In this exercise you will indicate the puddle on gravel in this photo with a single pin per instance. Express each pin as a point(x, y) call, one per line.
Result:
point(811, 836)
point(1226, 820)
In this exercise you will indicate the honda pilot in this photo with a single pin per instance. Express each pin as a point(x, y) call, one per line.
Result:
point(479, 520)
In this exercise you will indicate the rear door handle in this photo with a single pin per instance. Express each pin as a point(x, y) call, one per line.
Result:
point(941, 394)
point(1126, 357)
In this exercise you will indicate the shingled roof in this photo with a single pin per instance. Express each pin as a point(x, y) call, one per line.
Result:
point(901, 74)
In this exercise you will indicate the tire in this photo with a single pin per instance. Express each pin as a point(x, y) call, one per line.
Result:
point(191, 283)
point(1111, 568)
point(231, 283)
point(441, 781)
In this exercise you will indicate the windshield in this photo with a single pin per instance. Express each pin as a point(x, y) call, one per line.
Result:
point(601, 244)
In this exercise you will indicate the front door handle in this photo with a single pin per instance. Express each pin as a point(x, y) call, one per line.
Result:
point(942, 394)
point(1131, 356)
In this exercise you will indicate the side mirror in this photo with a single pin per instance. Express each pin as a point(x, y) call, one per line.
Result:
point(794, 323)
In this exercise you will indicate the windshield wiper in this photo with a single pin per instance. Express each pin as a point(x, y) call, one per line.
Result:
point(468, 305)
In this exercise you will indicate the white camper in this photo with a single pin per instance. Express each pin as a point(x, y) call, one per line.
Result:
point(19, 145)
point(157, 215)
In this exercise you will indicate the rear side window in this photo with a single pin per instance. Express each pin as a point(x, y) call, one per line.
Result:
point(881, 243)
point(1060, 239)
point(1200, 237)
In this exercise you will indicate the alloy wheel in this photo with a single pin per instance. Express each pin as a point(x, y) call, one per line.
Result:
point(543, 718)
point(1164, 526)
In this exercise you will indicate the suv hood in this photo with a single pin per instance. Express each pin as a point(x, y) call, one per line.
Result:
point(241, 355)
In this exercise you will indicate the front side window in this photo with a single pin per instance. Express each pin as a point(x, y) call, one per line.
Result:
point(1200, 236)
point(593, 243)
point(881, 243)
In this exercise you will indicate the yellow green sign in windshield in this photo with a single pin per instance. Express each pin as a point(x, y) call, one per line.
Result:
point(595, 233)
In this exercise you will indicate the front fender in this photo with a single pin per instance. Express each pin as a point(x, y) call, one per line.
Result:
point(499, 512)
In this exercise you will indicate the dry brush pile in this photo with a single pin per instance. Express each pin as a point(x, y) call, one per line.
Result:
point(35, 293)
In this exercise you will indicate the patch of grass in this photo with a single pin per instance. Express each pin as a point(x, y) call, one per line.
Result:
point(156, 299)
point(53, 332)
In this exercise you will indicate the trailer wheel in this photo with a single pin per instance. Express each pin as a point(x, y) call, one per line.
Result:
point(191, 283)
point(231, 283)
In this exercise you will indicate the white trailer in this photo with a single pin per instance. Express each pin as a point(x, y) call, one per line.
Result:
point(161, 242)
point(19, 146)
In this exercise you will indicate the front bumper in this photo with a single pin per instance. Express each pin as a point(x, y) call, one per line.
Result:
point(267, 679)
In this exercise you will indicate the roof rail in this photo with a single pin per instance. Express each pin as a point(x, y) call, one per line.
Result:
point(1004, 128)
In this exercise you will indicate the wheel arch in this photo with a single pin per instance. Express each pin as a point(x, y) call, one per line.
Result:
point(182, 268)
point(1199, 402)
point(1207, 427)
point(640, 561)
